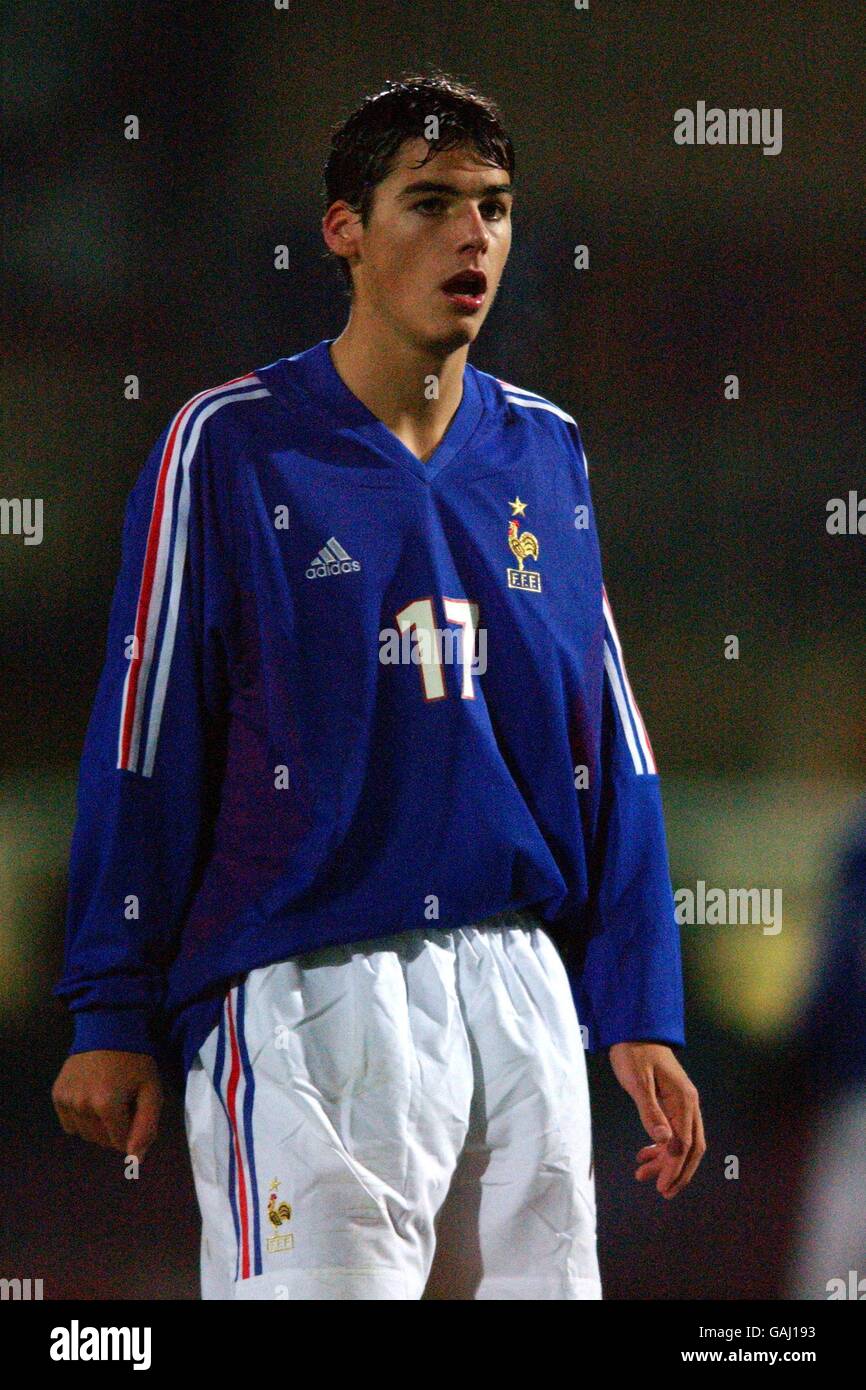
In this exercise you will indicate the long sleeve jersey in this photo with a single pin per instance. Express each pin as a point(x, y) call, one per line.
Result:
point(347, 693)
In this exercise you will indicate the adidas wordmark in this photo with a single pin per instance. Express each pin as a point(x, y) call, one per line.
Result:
point(331, 559)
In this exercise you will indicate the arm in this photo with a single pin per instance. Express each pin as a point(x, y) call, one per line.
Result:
point(631, 986)
point(630, 995)
point(143, 787)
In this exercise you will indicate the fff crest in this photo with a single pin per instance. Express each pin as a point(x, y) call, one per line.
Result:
point(523, 546)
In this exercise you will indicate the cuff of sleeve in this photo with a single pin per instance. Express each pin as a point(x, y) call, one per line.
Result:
point(112, 1030)
point(600, 1037)
point(665, 1037)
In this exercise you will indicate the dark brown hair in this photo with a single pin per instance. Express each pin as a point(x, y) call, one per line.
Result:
point(365, 146)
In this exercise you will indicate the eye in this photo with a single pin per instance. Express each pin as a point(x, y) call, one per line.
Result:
point(494, 208)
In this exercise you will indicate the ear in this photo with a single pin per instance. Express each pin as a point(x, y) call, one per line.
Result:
point(342, 230)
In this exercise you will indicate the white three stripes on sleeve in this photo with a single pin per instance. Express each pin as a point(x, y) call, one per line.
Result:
point(164, 561)
point(633, 726)
point(517, 396)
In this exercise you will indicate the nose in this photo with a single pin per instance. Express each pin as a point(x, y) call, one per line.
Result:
point(474, 229)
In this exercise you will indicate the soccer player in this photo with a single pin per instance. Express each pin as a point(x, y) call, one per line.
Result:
point(369, 843)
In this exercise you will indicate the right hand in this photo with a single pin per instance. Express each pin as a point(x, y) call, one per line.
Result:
point(110, 1098)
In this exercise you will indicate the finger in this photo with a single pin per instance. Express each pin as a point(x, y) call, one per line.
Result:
point(79, 1116)
point(66, 1117)
point(145, 1120)
point(697, 1152)
point(683, 1104)
point(89, 1126)
point(653, 1117)
point(658, 1160)
point(108, 1113)
point(646, 1172)
point(116, 1118)
point(648, 1151)
point(683, 1177)
point(681, 1155)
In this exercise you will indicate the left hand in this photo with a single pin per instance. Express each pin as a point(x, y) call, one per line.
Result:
point(668, 1105)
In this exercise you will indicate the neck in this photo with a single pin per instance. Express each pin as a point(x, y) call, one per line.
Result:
point(391, 375)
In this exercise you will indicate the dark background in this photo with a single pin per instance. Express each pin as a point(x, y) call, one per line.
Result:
point(155, 257)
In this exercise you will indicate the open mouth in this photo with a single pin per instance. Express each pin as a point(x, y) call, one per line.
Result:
point(466, 289)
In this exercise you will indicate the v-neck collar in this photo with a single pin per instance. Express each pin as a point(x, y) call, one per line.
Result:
point(320, 376)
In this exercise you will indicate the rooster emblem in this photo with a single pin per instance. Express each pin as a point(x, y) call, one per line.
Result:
point(521, 546)
point(277, 1214)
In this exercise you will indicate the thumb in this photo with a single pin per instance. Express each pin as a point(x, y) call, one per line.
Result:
point(653, 1118)
point(142, 1133)
point(657, 1126)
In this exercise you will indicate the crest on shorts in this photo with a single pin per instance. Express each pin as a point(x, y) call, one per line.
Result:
point(278, 1213)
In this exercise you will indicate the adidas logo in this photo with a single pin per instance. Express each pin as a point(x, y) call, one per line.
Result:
point(331, 559)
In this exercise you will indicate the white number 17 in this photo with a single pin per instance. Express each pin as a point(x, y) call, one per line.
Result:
point(418, 616)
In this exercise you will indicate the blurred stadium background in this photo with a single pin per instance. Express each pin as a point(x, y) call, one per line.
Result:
point(155, 257)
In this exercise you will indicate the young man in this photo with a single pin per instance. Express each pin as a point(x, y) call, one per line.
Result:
point(368, 818)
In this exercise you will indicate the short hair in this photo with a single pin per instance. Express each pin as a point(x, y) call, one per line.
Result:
point(365, 146)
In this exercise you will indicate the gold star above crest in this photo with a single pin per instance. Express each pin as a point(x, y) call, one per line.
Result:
point(518, 508)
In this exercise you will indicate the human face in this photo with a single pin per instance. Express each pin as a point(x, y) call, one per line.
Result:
point(426, 226)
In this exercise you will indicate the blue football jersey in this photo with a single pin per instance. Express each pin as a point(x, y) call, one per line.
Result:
point(347, 693)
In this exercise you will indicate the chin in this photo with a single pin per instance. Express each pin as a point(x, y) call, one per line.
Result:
point(450, 337)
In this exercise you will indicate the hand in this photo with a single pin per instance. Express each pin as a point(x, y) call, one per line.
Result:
point(668, 1105)
point(110, 1098)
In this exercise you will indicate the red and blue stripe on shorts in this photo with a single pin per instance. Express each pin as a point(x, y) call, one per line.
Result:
point(235, 1086)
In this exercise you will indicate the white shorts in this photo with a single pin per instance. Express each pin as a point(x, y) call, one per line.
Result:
point(398, 1118)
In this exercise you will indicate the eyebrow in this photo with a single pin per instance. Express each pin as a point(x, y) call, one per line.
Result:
point(432, 186)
